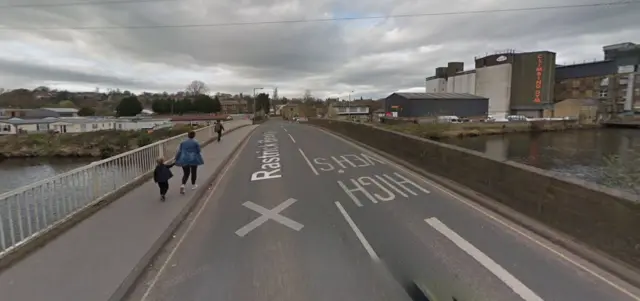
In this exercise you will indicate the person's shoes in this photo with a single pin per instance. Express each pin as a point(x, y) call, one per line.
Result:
point(162, 198)
point(195, 186)
point(182, 189)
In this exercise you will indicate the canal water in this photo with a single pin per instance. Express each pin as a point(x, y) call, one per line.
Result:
point(15, 173)
point(601, 156)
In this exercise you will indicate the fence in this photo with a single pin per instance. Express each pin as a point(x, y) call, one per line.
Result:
point(31, 210)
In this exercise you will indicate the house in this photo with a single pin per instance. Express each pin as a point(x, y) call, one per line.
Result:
point(202, 119)
point(348, 110)
point(136, 124)
point(18, 125)
point(52, 112)
point(10, 113)
point(80, 125)
point(147, 112)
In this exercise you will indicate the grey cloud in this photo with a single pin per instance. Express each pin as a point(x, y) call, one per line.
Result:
point(315, 55)
point(43, 73)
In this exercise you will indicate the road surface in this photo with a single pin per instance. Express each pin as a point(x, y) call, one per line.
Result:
point(303, 215)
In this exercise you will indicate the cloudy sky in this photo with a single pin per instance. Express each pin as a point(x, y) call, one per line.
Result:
point(151, 45)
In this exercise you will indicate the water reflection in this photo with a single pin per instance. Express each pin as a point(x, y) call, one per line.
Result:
point(578, 153)
point(15, 173)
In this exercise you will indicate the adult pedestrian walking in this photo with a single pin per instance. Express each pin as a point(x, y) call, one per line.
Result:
point(189, 157)
point(218, 128)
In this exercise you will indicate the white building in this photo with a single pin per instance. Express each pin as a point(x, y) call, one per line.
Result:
point(80, 124)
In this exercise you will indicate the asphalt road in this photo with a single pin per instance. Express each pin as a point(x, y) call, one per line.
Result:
point(327, 220)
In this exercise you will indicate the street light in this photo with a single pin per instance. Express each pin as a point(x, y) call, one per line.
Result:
point(349, 105)
point(254, 100)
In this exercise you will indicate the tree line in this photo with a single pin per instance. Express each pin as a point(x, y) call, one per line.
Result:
point(131, 106)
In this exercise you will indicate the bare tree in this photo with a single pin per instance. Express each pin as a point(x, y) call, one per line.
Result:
point(307, 95)
point(196, 87)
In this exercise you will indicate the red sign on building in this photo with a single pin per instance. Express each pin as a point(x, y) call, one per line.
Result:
point(539, 71)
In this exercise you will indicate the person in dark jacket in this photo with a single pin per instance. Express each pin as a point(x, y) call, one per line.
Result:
point(161, 175)
point(218, 128)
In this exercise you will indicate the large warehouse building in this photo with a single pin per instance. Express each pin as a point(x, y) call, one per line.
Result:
point(514, 83)
point(436, 104)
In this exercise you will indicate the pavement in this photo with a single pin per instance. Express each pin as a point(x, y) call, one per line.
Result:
point(91, 261)
point(301, 214)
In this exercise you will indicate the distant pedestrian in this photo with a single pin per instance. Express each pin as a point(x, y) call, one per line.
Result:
point(189, 157)
point(161, 175)
point(218, 128)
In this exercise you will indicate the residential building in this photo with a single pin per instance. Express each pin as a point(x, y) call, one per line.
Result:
point(52, 112)
point(349, 110)
point(202, 119)
point(436, 104)
point(234, 106)
point(10, 113)
point(80, 124)
point(17, 126)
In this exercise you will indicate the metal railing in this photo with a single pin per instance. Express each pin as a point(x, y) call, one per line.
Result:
point(28, 211)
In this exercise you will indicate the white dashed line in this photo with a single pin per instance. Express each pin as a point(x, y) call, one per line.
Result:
point(502, 274)
point(309, 162)
point(359, 234)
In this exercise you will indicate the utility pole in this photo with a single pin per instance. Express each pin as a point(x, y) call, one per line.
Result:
point(349, 106)
point(254, 100)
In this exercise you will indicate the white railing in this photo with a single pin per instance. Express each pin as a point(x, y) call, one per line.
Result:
point(28, 211)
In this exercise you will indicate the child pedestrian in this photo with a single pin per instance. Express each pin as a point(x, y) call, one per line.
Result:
point(161, 175)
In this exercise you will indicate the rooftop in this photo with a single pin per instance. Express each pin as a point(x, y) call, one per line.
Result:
point(428, 96)
point(61, 110)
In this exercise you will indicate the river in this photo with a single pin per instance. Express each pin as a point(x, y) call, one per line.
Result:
point(15, 173)
point(581, 153)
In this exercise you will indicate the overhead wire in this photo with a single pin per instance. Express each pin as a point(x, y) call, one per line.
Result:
point(81, 3)
point(320, 20)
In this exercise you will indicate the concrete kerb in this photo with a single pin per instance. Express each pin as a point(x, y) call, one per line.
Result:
point(130, 281)
point(41, 239)
point(609, 264)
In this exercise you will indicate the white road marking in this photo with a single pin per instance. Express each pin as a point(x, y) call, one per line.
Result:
point(359, 234)
point(491, 216)
point(193, 221)
point(267, 214)
point(309, 162)
point(285, 129)
point(294, 140)
point(502, 274)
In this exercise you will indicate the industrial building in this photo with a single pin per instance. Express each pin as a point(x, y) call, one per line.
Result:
point(614, 80)
point(514, 83)
point(436, 104)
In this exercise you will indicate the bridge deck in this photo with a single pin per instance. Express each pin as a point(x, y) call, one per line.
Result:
point(91, 260)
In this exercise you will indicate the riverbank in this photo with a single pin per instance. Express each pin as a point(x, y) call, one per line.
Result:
point(438, 131)
point(100, 144)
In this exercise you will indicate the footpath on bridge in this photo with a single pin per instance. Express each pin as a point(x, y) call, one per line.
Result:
point(97, 259)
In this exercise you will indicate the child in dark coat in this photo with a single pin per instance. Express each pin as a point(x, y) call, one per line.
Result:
point(161, 175)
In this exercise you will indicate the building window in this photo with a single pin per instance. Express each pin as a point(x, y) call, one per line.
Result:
point(42, 127)
point(576, 83)
point(342, 109)
point(94, 126)
point(603, 93)
point(6, 128)
point(637, 91)
point(588, 93)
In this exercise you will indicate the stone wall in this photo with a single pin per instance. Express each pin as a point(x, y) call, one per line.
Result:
point(603, 218)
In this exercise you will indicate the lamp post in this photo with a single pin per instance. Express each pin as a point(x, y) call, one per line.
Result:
point(254, 100)
point(349, 106)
